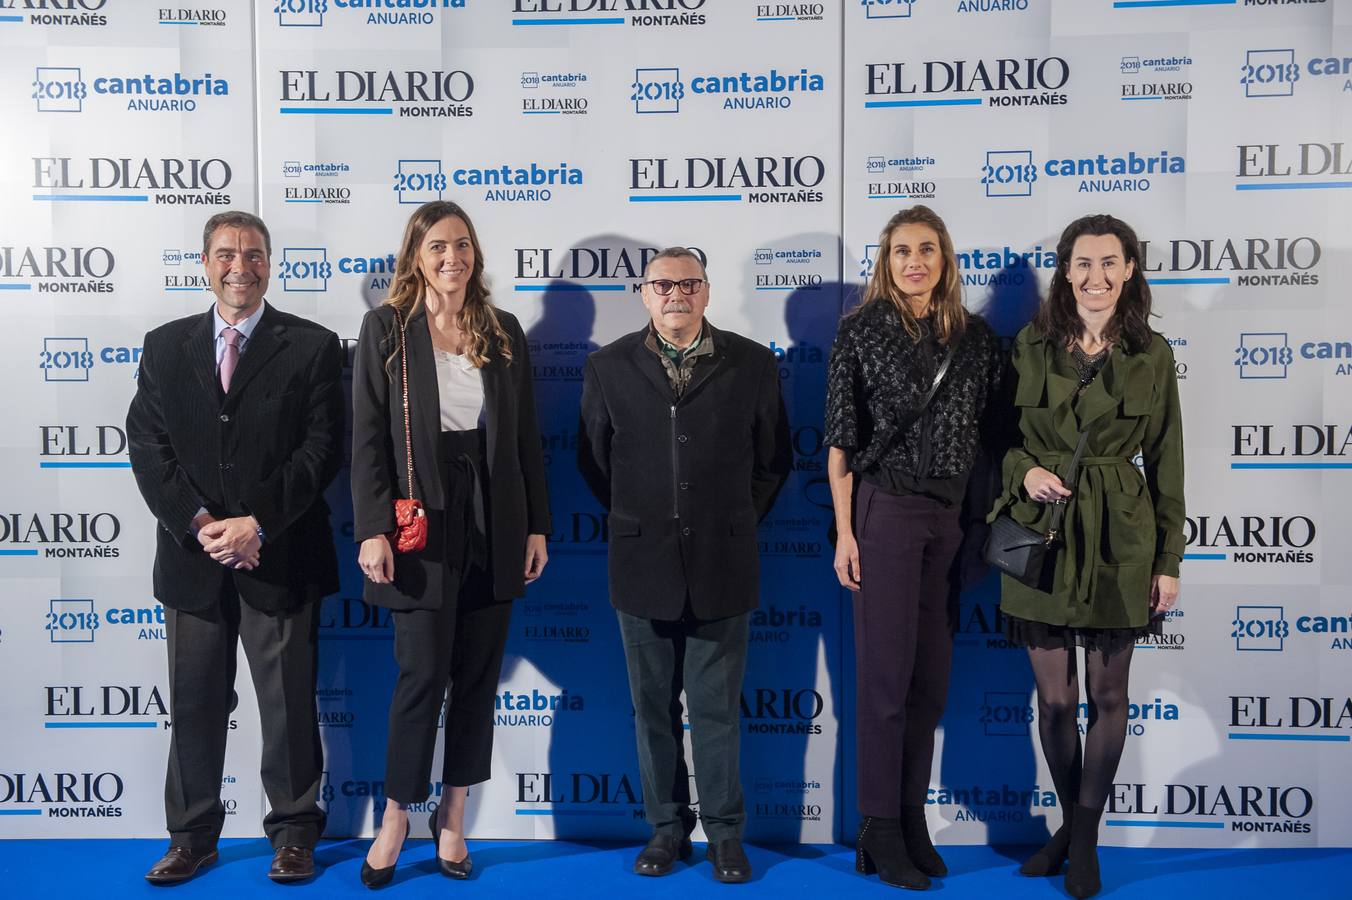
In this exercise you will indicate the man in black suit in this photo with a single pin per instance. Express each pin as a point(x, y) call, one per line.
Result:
point(234, 434)
point(685, 441)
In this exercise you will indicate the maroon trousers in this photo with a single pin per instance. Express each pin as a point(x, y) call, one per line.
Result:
point(903, 641)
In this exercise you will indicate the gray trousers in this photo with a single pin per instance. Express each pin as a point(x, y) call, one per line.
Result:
point(281, 649)
point(707, 661)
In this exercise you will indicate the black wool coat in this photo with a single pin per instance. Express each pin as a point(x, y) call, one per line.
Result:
point(268, 448)
point(515, 494)
point(685, 481)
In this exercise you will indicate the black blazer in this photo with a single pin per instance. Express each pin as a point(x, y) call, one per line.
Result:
point(268, 448)
point(518, 502)
point(685, 481)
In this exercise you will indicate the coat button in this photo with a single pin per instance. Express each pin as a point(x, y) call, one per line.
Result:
point(226, 467)
point(685, 532)
point(685, 485)
point(225, 417)
point(682, 438)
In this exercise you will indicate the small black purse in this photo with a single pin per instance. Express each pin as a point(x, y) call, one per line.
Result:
point(1027, 555)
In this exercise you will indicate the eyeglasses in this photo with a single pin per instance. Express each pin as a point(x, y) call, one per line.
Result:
point(663, 286)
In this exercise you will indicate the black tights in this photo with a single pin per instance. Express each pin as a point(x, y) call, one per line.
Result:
point(1088, 781)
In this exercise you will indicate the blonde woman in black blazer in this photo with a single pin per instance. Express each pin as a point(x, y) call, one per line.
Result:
point(479, 471)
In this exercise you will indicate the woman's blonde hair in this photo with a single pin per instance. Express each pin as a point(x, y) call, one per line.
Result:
point(477, 318)
point(949, 316)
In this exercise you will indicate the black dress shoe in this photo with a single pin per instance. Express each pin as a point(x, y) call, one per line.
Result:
point(373, 877)
point(730, 863)
point(179, 864)
point(450, 869)
point(292, 863)
point(659, 857)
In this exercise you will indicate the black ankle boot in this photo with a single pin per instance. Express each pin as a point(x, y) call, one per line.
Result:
point(880, 849)
point(1082, 875)
point(1052, 855)
point(919, 847)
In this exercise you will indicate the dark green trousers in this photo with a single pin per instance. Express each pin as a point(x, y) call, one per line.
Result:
point(707, 661)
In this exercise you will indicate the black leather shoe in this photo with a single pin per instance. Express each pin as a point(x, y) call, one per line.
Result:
point(373, 877)
point(292, 864)
point(450, 869)
point(730, 863)
point(659, 857)
point(179, 864)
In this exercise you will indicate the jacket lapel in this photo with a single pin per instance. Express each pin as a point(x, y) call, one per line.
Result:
point(424, 401)
point(495, 394)
point(651, 366)
point(268, 339)
point(705, 368)
point(201, 352)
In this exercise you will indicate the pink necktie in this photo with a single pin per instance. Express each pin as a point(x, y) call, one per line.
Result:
point(230, 358)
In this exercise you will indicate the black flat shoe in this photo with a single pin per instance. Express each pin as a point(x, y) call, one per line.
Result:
point(450, 869)
point(376, 878)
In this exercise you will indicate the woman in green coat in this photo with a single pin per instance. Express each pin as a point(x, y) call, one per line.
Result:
point(1089, 361)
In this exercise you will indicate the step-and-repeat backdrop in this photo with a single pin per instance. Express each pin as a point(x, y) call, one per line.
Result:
point(774, 139)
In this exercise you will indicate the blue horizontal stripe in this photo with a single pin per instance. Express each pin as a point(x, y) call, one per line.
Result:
point(1152, 823)
point(884, 104)
point(176, 22)
point(571, 286)
point(1291, 465)
point(107, 198)
point(85, 465)
point(774, 18)
point(305, 201)
point(11, 18)
point(336, 111)
point(1188, 280)
point(1340, 738)
point(541, 112)
point(573, 812)
point(16, 287)
point(187, 289)
point(1295, 186)
point(1143, 98)
point(1147, 647)
point(20, 812)
point(1136, 4)
point(793, 287)
point(18, 553)
point(889, 196)
point(684, 198)
point(1204, 556)
point(100, 725)
point(619, 20)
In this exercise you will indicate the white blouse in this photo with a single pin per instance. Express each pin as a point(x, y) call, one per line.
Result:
point(461, 389)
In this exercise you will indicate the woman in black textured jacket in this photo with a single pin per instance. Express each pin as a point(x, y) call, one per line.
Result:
point(898, 526)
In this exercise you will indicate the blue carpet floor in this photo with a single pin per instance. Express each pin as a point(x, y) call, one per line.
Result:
point(542, 870)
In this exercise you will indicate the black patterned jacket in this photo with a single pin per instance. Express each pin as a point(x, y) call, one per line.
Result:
point(875, 381)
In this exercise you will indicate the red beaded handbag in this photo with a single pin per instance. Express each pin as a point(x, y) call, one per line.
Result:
point(410, 520)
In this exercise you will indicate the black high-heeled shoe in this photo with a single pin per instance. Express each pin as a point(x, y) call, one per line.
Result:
point(375, 878)
point(450, 869)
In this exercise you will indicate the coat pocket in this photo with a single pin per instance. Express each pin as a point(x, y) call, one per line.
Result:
point(621, 525)
point(1129, 531)
point(742, 523)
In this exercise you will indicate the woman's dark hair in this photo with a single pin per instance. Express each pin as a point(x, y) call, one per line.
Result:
point(1059, 320)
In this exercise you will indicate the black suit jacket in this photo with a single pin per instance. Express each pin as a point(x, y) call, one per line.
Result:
point(518, 501)
point(685, 480)
point(268, 449)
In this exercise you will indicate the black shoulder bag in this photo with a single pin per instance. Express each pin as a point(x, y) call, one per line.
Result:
point(1025, 554)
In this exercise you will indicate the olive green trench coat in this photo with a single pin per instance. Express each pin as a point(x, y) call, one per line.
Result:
point(1119, 528)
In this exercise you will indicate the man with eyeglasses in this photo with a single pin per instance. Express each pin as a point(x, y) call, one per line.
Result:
point(685, 441)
